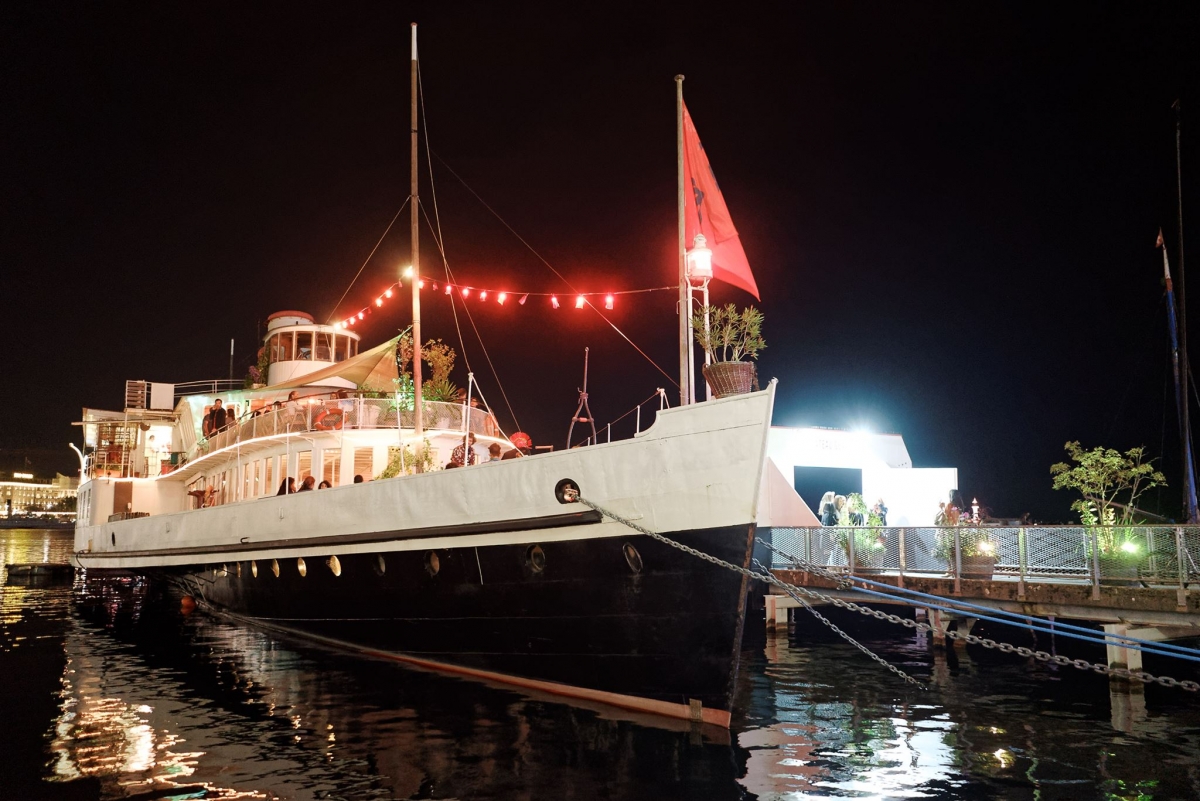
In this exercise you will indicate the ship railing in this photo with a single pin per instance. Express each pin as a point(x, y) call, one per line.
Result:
point(1158, 555)
point(334, 414)
point(213, 386)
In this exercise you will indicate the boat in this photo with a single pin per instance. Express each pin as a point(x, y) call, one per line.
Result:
point(495, 571)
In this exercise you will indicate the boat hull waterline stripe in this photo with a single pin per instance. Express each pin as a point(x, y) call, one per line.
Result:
point(497, 527)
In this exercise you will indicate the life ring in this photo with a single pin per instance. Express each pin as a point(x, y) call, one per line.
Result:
point(329, 420)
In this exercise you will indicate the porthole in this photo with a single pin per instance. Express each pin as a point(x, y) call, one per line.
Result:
point(335, 565)
point(300, 566)
point(562, 488)
point(432, 563)
point(239, 569)
point(535, 557)
point(632, 558)
point(275, 567)
point(254, 568)
point(113, 534)
point(380, 565)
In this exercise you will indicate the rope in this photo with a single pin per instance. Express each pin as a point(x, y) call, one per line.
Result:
point(439, 238)
point(369, 255)
point(1008, 648)
point(631, 411)
point(551, 268)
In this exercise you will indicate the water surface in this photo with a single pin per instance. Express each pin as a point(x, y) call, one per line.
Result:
point(110, 691)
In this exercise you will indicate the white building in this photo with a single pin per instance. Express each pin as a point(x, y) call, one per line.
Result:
point(24, 494)
point(816, 460)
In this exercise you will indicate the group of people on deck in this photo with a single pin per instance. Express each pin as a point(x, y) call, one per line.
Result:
point(218, 418)
point(836, 510)
point(288, 485)
point(465, 454)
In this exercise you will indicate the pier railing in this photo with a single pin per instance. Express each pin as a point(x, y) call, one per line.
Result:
point(299, 417)
point(1151, 555)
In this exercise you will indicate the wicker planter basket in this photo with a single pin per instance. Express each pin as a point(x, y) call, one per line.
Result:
point(978, 567)
point(731, 378)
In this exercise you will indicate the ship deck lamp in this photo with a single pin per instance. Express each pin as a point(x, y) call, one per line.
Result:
point(699, 261)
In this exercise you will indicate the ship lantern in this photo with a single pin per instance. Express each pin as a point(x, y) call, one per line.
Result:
point(699, 261)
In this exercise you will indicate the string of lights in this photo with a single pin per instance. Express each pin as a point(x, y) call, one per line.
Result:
point(500, 296)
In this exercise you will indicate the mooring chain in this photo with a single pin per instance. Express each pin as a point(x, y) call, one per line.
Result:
point(572, 495)
point(836, 630)
point(1003, 647)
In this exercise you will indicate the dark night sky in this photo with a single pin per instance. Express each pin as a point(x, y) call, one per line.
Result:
point(950, 208)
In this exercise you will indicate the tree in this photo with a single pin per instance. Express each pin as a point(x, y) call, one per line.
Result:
point(1109, 481)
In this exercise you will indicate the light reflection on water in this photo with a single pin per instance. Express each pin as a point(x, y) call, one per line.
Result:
point(141, 700)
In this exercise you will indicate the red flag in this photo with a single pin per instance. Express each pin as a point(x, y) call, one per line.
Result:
point(705, 213)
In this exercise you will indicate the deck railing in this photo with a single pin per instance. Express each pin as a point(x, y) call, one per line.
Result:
point(344, 414)
point(1162, 555)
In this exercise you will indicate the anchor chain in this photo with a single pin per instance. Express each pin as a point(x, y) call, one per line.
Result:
point(836, 630)
point(1142, 676)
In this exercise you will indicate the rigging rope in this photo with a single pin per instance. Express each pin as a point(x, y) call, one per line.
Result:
point(551, 268)
point(438, 238)
point(372, 253)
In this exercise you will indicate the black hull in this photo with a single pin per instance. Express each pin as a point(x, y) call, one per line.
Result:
point(586, 621)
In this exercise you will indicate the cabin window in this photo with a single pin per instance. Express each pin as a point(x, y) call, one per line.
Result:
point(352, 348)
point(303, 467)
point(364, 463)
point(268, 484)
point(339, 351)
point(324, 352)
point(332, 466)
point(283, 347)
point(304, 346)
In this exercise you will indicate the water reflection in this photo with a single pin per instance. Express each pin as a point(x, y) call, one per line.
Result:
point(820, 721)
point(111, 691)
point(160, 701)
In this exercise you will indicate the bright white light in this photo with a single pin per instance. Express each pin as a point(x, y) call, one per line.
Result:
point(608, 302)
point(699, 260)
point(503, 296)
point(987, 548)
point(378, 301)
point(466, 290)
point(554, 301)
point(483, 295)
point(579, 302)
point(1129, 547)
point(408, 271)
point(387, 293)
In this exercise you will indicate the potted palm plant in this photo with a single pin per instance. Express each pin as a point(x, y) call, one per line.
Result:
point(729, 337)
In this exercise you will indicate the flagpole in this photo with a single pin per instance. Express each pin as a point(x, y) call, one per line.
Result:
point(418, 428)
point(685, 294)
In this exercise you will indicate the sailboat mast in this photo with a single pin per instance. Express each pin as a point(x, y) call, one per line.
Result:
point(415, 202)
point(685, 294)
point(1186, 372)
point(1190, 505)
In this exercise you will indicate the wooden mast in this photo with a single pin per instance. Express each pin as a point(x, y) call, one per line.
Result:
point(685, 294)
point(415, 202)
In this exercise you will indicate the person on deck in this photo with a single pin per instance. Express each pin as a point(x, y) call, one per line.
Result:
point(218, 416)
point(309, 483)
point(464, 455)
point(827, 511)
point(287, 486)
point(494, 451)
point(324, 485)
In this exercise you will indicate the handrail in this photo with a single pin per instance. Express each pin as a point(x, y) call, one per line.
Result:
point(1148, 555)
point(354, 413)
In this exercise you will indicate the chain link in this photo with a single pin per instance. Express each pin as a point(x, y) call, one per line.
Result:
point(844, 583)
